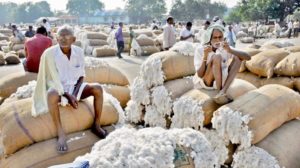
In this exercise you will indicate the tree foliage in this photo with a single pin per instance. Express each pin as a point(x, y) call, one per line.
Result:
point(84, 7)
point(196, 9)
point(143, 11)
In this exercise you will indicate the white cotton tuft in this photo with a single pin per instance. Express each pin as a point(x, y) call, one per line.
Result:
point(185, 48)
point(233, 126)
point(188, 113)
point(151, 72)
point(150, 147)
point(153, 117)
point(25, 91)
point(218, 144)
point(94, 63)
point(134, 111)
point(139, 92)
point(254, 157)
point(161, 100)
point(117, 106)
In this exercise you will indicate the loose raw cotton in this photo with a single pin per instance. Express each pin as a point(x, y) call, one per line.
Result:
point(289, 66)
point(254, 157)
point(134, 112)
point(251, 117)
point(10, 83)
point(185, 48)
point(104, 51)
point(79, 143)
point(263, 63)
point(284, 144)
point(23, 129)
point(100, 72)
point(152, 147)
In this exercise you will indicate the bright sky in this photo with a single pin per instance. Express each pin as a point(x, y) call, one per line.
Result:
point(109, 4)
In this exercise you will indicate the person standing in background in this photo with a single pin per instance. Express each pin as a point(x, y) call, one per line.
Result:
point(290, 28)
point(296, 28)
point(169, 37)
point(231, 38)
point(186, 33)
point(132, 36)
point(120, 40)
point(47, 26)
point(30, 32)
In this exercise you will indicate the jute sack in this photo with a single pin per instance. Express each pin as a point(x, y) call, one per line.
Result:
point(251, 52)
point(254, 46)
point(44, 154)
point(126, 34)
point(105, 75)
point(251, 117)
point(2, 59)
point(157, 32)
point(12, 58)
point(149, 50)
point(145, 41)
point(263, 63)
point(104, 51)
point(21, 53)
point(10, 83)
point(293, 49)
point(289, 66)
point(145, 32)
point(96, 42)
point(18, 47)
point(284, 144)
point(20, 129)
point(268, 47)
point(95, 35)
point(121, 93)
point(297, 84)
point(247, 40)
point(175, 65)
point(178, 87)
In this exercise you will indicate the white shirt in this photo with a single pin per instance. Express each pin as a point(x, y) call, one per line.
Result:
point(69, 71)
point(226, 60)
point(185, 33)
point(169, 37)
point(290, 25)
point(47, 26)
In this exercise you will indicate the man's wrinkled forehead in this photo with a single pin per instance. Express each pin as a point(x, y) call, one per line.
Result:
point(64, 32)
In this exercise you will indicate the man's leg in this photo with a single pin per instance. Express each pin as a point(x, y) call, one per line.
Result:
point(119, 47)
point(122, 45)
point(232, 71)
point(217, 70)
point(96, 91)
point(53, 99)
point(25, 65)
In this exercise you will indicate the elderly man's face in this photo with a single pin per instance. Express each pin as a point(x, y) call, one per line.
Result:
point(217, 38)
point(65, 39)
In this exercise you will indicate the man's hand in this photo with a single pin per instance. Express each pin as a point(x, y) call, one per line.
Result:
point(72, 100)
point(227, 47)
point(207, 50)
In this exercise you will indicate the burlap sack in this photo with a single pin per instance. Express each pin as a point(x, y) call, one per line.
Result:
point(157, 32)
point(289, 66)
point(21, 53)
point(263, 63)
point(95, 35)
point(293, 48)
point(2, 59)
point(12, 59)
point(145, 41)
point(251, 52)
point(96, 42)
point(175, 65)
point(250, 77)
point(149, 50)
point(20, 129)
point(104, 51)
point(297, 84)
point(268, 108)
point(126, 34)
point(18, 47)
point(105, 75)
point(268, 47)
point(121, 93)
point(145, 32)
point(178, 87)
point(254, 46)
point(10, 83)
point(284, 144)
point(44, 154)
point(247, 40)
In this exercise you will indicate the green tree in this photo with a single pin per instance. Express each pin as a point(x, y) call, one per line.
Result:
point(143, 11)
point(84, 7)
point(6, 12)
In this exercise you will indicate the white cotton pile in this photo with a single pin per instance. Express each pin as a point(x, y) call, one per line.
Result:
point(151, 72)
point(150, 147)
point(254, 157)
point(139, 91)
point(161, 100)
point(185, 48)
point(187, 113)
point(232, 125)
point(218, 143)
point(134, 111)
point(25, 91)
point(94, 63)
point(153, 117)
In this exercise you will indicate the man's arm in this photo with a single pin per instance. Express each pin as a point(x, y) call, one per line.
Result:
point(202, 69)
point(240, 54)
point(166, 38)
point(77, 86)
point(185, 38)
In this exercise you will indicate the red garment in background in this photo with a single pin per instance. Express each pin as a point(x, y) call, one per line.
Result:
point(34, 48)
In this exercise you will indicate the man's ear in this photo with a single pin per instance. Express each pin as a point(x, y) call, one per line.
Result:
point(74, 39)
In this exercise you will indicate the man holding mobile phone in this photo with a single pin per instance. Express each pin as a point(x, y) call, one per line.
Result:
point(216, 63)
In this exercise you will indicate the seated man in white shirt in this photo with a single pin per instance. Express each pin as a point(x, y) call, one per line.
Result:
point(216, 63)
point(186, 33)
point(69, 62)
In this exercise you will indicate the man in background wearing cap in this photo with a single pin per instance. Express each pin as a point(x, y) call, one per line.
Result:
point(169, 37)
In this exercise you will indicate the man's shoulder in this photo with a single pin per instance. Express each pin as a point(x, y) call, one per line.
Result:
point(79, 51)
point(50, 50)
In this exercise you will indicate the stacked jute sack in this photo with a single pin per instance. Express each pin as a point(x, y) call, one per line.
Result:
point(147, 46)
point(262, 124)
point(97, 71)
point(20, 129)
point(10, 58)
point(273, 63)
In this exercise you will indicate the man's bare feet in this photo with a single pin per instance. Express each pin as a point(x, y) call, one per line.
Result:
point(100, 132)
point(62, 146)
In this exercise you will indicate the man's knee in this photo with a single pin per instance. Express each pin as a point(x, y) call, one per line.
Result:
point(53, 96)
point(237, 61)
point(217, 59)
point(97, 90)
